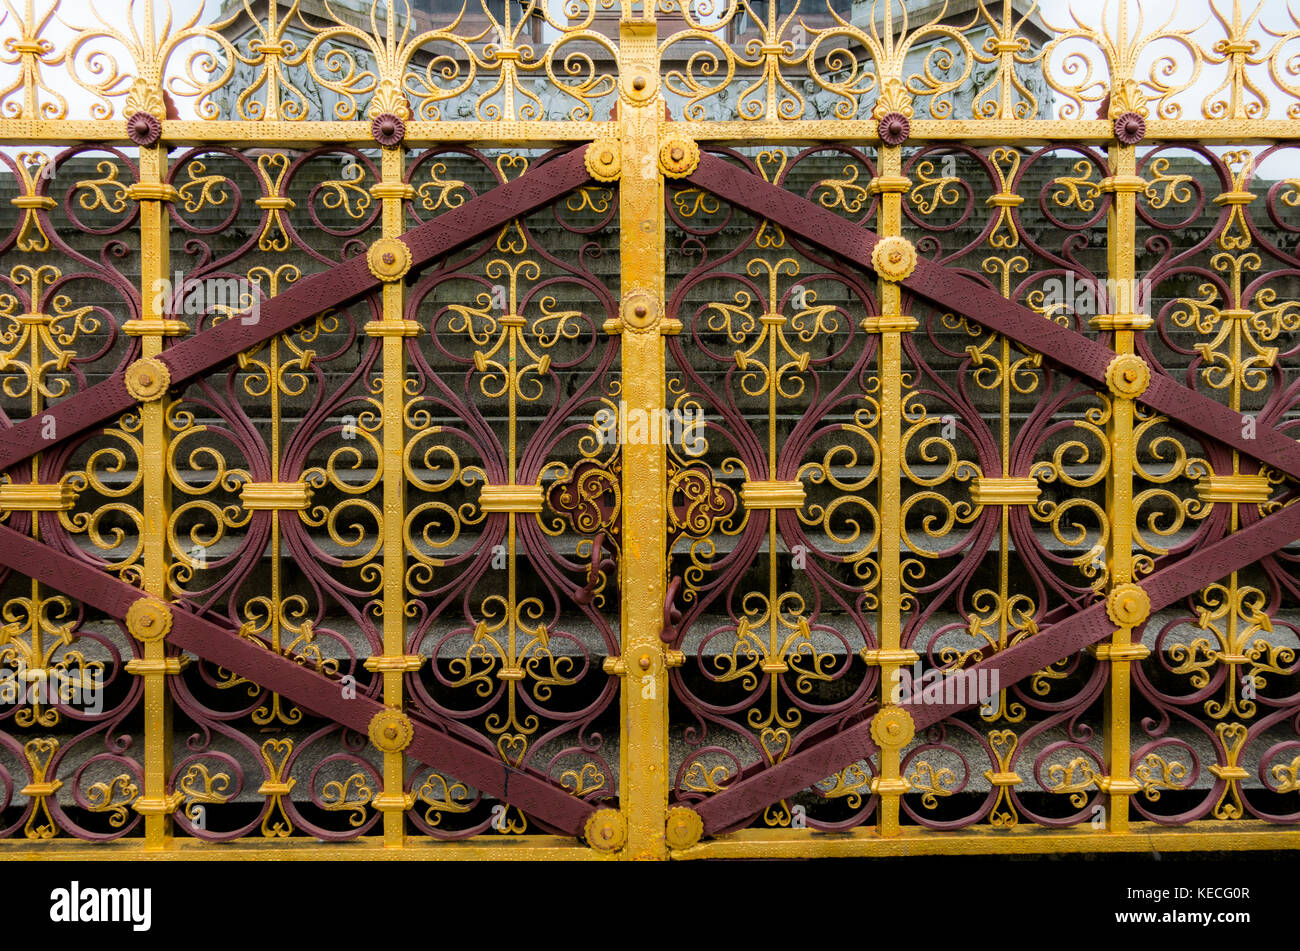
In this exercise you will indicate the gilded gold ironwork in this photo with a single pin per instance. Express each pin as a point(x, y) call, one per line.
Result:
point(684, 827)
point(147, 379)
point(603, 160)
point(1128, 605)
point(893, 727)
point(1128, 376)
point(606, 830)
point(275, 496)
point(149, 620)
point(389, 259)
point(894, 258)
point(772, 495)
point(956, 494)
point(1005, 491)
point(37, 498)
point(391, 731)
point(678, 157)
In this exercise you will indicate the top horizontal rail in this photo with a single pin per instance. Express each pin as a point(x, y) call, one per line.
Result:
point(194, 132)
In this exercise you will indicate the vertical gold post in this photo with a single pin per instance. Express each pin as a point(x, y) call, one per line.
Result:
point(155, 804)
point(890, 184)
point(1121, 268)
point(392, 329)
point(644, 755)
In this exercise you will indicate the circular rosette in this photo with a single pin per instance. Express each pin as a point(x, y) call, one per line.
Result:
point(606, 830)
point(603, 160)
point(388, 129)
point(892, 728)
point(389, 259)
point(149, 619)
point(1128, 605)
point(894, 128)
point(678, 157)
point(641, 309)
point(894, 258)
point(147, 379)
point(685, 827)
point(391, 731)
point(1128, 375)
point(143, 129)
point(1130, 128)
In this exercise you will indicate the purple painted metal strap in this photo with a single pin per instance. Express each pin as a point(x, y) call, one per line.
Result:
point(307, 298)
point(745, 798)
point(531, 792)
point(953, 291)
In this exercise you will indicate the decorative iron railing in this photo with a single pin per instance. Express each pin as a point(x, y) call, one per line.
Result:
point(547, 429)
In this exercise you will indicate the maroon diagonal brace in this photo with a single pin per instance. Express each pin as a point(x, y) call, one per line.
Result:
point(310, 296)
point(952, 291)
point(528, 790)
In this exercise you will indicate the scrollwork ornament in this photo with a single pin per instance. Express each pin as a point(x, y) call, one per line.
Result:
point(684, 829)
point(1128, 605)
point(391, 731)
point(893, 728)
point(606, 830)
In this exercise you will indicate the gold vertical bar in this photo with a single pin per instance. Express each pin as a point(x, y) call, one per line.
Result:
point(644, 702)
point(154, 264)
point(393, 330)
point(1121, 267)
point(889, 784)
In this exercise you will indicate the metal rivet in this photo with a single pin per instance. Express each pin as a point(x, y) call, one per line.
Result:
point(639, 83)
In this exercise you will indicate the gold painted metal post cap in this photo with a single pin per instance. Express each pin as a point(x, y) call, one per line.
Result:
point(894, 258)
point(149, 619)
point(893, 728)
point(391, 731)
point(684, 829)
point(678, 157)
point(603, 159)
point(606, 830)
point(389, 259)
point(1128, 375)
point(1128, 605)
point(147, 379)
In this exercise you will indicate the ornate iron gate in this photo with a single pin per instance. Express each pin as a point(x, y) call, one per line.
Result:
point(572, 431)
